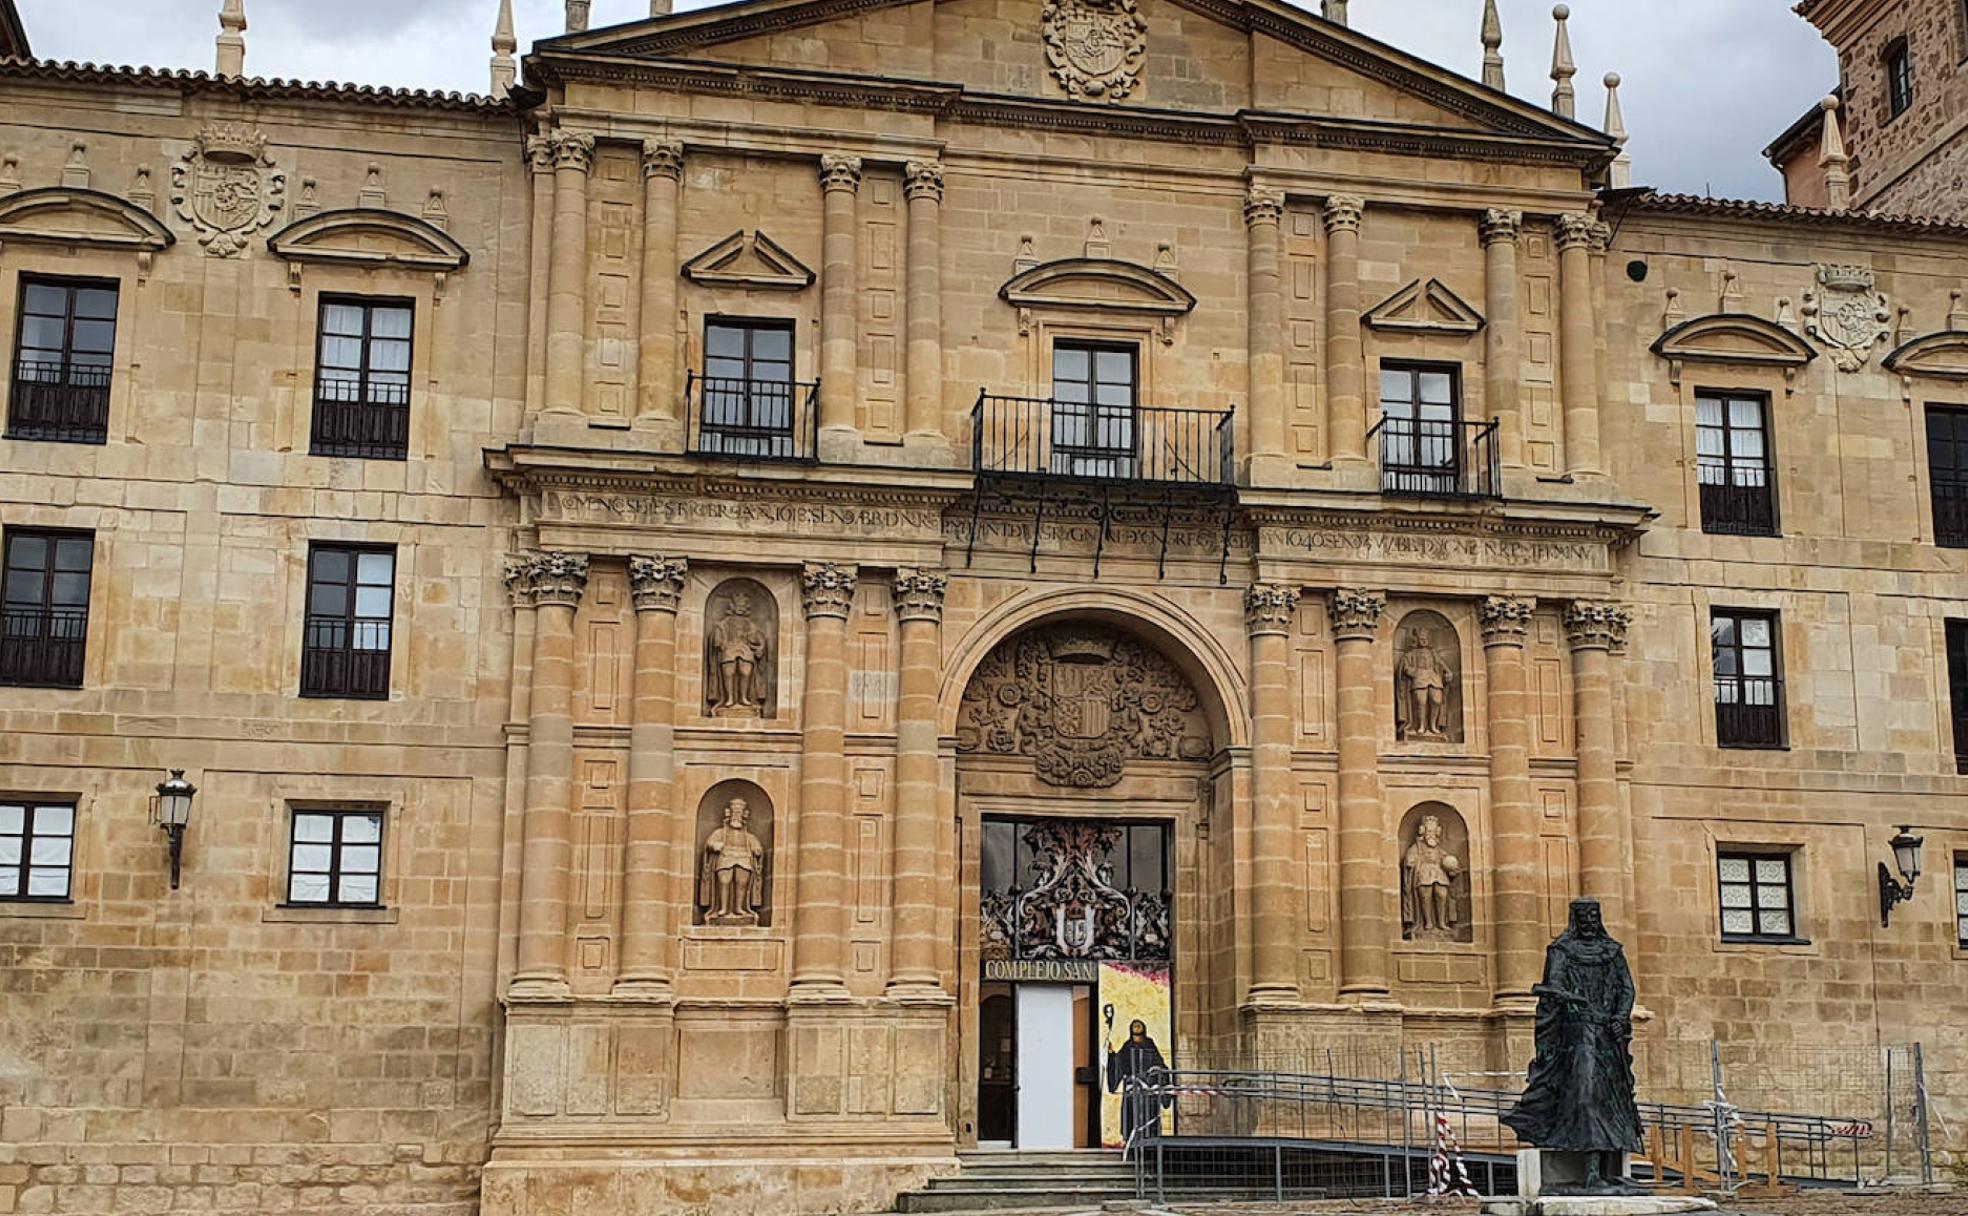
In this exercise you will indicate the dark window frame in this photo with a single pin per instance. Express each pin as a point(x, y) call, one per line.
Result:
point(71, 394)
point(63, 662)
point(350, 686)
point(749, 414)
point(25, 866)
point(337, 844)
point(1957, 671)
point(1737, 724)
point(1730, 507)
point(1961, 900)
point(1421, 473)
point(1755, 886)
point(1896, 63)
point(381, 426)
point(1947, 480)
point(1089, 437)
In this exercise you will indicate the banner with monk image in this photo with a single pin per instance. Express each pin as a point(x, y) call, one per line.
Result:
point(1136, 1038)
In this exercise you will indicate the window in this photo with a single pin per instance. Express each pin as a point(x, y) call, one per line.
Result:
point(1748, 685)
point(748, 397)
point(1732, 451)
point(1899, 78)
point(62, 357)
point(1957, 666)
point(1947, 469)
point(1757, 903)
point(335, 859)
point(362, 379)
point(37, 849)
point(1419, 411)
point(44, 607)
point(1961, 899)
point(1095, 395)
point(345, 646)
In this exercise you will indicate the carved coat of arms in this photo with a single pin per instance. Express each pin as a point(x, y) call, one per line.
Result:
point(1847, 315)
point(1095, 46)
point(226, 187)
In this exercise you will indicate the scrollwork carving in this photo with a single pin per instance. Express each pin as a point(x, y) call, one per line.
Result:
point(226, 187)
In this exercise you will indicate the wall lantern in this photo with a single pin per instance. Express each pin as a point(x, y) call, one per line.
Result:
point(173, 812)
point(1906, 855)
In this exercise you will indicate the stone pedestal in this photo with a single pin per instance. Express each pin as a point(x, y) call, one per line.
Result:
point(1541, 1170)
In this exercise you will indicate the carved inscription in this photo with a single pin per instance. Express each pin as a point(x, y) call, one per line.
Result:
point(1571, 557)
point(724, 515)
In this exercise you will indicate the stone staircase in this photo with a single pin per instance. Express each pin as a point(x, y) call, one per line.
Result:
point(1005, 1180)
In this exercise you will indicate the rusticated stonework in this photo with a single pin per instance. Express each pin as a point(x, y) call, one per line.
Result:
point(1082, 701)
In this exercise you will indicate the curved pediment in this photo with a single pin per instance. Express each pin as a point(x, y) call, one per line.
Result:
point(369, 236)
point(1943, 356)
point(70, 215)
point(1098, 283)
point(1736, 338)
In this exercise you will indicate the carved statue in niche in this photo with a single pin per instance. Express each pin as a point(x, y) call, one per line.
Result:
point(742, 628)
point(1427, 680)
point(1434, 876)
point(732, 878)
point(1082, 700)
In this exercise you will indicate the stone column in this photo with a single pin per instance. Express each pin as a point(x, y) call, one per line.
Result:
point(1366, 921)
point(567, 289)
point(840, 377)
point(918, 789)
point(1502, 340)
point(554, 581)
point(820, 915)
point(1578, 345)
point(540, 159)
point(923, 187)
point(1346, 417)
point(1270, 613)
point(648, 854)
point(1262, 210)
point(656, 388)
point(1594, 629)
point(1514, 844)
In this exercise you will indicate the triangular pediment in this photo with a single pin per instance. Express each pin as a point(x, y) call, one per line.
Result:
point(1943, 356)
point(368, 236)
point(751, 260)
point(1424, 306)
point(70, 215)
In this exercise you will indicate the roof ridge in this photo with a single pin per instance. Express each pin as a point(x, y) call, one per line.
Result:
point(1686, 204)
point(331, 89)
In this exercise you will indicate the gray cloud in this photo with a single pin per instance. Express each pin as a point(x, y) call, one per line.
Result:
point(1707, 83)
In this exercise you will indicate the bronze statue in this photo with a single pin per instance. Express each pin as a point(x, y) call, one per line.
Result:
point(1428, 873)
point(1579, 1097)
point(741, 651)
point(731, 884)
point(1422, 679)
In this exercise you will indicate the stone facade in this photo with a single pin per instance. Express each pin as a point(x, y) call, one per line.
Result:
point(573, 993)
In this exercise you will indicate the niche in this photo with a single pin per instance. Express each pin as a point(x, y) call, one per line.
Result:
point(741, 651)
point(1435, 902)
point(734, 856)
point(1427, 679)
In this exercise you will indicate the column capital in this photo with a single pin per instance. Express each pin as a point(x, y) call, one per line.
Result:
point(662, 158)
point(1505, 619)
point(1263, 205)
point(573, 150)
point(1601, 236)
point(840, 173)
point(1499, 225)
point(919, 594)
point(543, 577)
point(1270, 608)
point(923, 179)
point(827, 589)
point(1574, 231)
point(1355, 614)
point(1343, 212)
point(656, 583)
point(540, 153)
point(1596, 625)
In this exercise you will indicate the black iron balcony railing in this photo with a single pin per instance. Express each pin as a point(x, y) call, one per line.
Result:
point(1042, 437)
point(344, 658)
point(1734, 509)
point(1438, 459)
point(1749, 711)
point(43, 647)
point(753, 419)
point(1951, 513)
point(62, 402)
point(369, 421)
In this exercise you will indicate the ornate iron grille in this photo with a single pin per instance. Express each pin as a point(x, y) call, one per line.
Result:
point(1076, 890)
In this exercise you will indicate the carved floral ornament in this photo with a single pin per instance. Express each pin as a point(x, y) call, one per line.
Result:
point(656, 583)
point(1095, 47)
point(1593, 625)
point(226, 187)
point(923, 179)
point(827, 589)
point(543, 577)
point(919, 595)
point(1355, 614)
point(1270, 608)
point(1505, 620)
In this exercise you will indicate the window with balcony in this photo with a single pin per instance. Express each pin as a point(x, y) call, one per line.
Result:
point(745, 403)
point(1947, 473)
point(1749, 702)
point(1758, 899)
point(335, 859)
point(345, 646)
point(62, 359)
point(1096, 390)
point(362, 379)
point(44, 607)
point(37, 849)
point(1426, 449)
point(1957, 668)
point(1898, 66)
point(1732, 452)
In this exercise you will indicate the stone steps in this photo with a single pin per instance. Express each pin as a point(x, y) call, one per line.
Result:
point(997, 1181)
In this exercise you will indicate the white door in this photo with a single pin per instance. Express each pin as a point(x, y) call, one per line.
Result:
point(1045, 1066)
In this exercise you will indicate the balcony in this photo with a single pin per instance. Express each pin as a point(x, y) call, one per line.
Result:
point(1042, 438)
point(60, 402)
point(1738, 510)
point(344, 658)
point(1951, 513)
point(1437, 458)
point(753, 419)
point(367, 421)
point(43, 647)
point(1749, 711)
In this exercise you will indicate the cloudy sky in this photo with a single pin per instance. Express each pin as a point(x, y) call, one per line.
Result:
point(1708, 83)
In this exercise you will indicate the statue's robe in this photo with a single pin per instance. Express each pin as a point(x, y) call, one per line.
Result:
point(1135, 1059)
point(1580, 1093)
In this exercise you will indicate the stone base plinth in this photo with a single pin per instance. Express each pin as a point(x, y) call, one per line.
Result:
point(1597, 1205)
point(739, 1179)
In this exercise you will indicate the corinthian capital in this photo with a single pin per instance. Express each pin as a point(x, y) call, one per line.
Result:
point(543, 577)
point(1263, 206)
point(656, 583)
point(919, 594)
point(1505, 619)
point(1343, 212)
point(840, 173)
point(540, 153)
point(1596, 625)
point(1500, 225)
point(573, 150)
point(827, 589)
point(923, 179)
point(1574, 231)
point(1355, 615)
point(1270, 608)
point(662, 158)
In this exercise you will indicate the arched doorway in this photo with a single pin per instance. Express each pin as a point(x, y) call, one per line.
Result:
point(1088, 764)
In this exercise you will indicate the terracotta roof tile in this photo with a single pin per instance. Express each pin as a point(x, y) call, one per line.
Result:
point(251, 87)
point(1693, 204)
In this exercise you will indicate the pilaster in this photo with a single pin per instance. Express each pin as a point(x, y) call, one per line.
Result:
point(1594, 629)
point(922, 186)
point(1578, 338)
point(1514, 843)
point(1503, 339)
point(1262, 211)
point(573, 155)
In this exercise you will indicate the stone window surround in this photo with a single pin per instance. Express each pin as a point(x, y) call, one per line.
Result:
point(294, 409)
point(32, 831)
point(337, 845)
point(29, 260)
point(407, 540)
point(391, 797)
point(1739, 605)
point(80, 890)
point(1960, 891)
point(1794, 856)
point(1896, 69)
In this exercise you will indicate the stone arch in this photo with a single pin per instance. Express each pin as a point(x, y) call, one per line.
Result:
point(726, 637)
point(1446, 644)
point(1442, 865)
point(760, 823)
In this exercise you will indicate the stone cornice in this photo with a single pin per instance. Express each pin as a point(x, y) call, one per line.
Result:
point(1614, 527)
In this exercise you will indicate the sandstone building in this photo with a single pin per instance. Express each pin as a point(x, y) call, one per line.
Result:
point(727, 597)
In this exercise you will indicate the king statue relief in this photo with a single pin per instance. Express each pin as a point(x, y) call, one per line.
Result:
point(731, 885)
